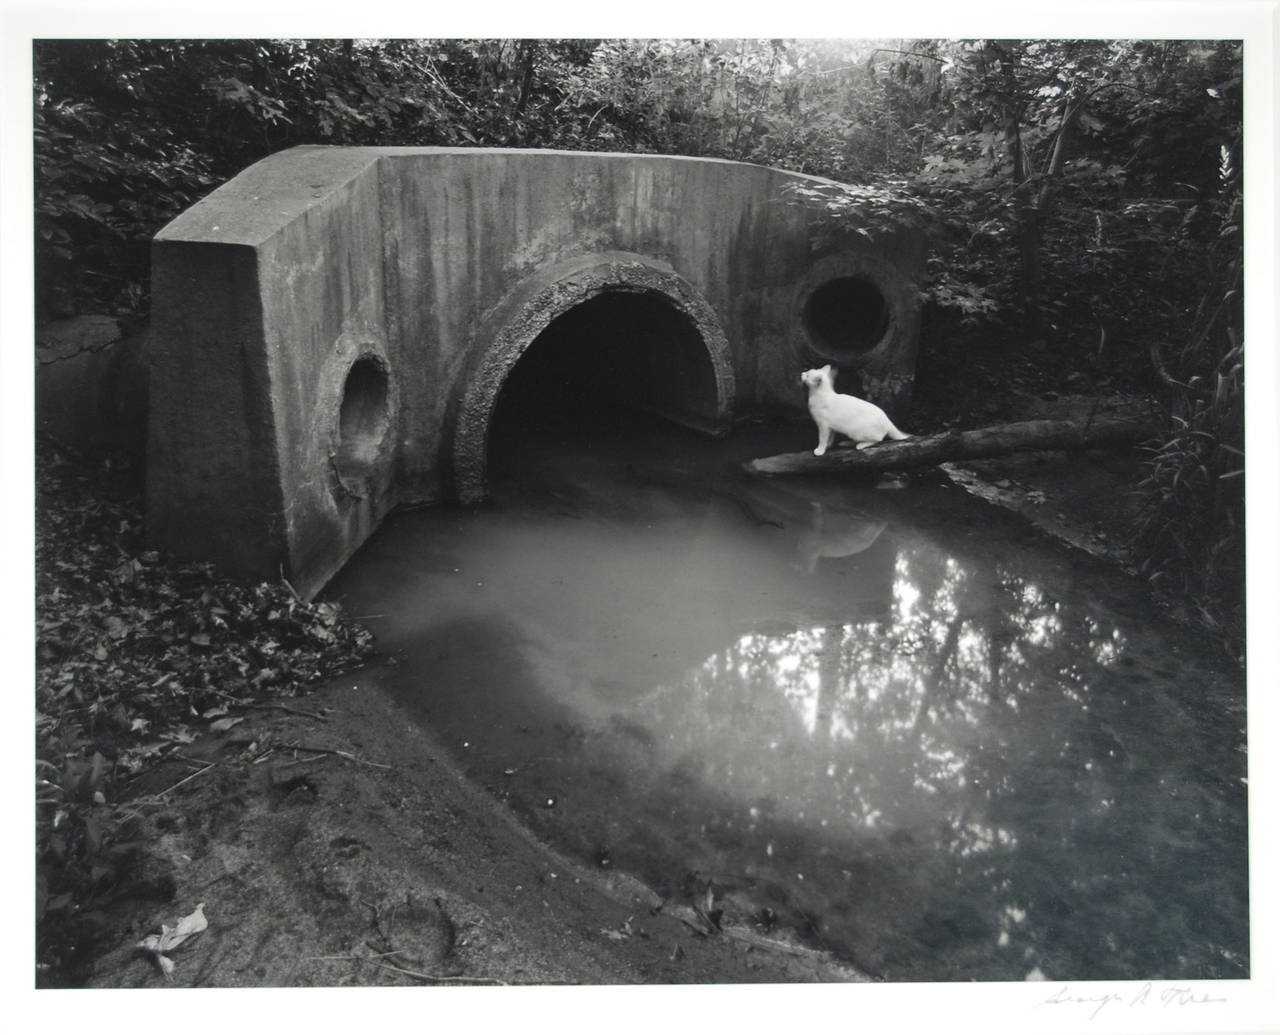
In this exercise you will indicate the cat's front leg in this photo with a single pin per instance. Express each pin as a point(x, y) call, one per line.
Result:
point(824, 439)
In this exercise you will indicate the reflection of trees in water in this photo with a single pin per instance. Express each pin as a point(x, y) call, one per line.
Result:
point(967, 776)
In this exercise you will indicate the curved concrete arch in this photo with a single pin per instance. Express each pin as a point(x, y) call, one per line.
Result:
point(534, 306)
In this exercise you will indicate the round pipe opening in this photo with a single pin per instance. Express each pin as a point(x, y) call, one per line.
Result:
point(363, 420)
point(846, 315)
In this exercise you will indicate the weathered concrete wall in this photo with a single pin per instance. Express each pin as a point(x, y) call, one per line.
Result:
point(91, 387)
point(332, 327)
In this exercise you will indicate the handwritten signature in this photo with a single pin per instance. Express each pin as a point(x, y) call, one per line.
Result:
point(1147, 996)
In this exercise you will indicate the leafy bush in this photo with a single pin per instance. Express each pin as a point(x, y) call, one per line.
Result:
point(1191, 535)
point(107, 177)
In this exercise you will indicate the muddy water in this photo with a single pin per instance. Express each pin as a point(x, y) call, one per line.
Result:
point(893, 722)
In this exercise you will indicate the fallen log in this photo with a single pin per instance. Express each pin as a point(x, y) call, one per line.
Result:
point(998, 439)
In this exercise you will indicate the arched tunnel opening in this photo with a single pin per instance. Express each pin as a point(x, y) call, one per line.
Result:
point(618, 359)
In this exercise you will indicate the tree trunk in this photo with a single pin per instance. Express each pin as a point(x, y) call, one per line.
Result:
point(1070, 109)
point(1026, 221)
point(927, 450)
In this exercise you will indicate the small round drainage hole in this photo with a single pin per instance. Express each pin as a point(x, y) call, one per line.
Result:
point(363, 420)
point(846, 315)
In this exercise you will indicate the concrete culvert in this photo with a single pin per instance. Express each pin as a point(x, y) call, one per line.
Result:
point(397, 288)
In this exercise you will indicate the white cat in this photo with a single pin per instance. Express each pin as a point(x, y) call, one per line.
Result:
point(863, 422)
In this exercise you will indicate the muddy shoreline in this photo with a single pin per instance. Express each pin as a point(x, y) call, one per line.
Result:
point(343, 848)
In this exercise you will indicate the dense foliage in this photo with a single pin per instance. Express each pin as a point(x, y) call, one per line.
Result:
point(1067, 181)
point(1192, 532)
point(128, 133)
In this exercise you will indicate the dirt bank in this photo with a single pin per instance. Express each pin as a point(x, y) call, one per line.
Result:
point(341, 847)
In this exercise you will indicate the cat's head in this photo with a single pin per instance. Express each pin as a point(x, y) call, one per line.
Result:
point(813, 378)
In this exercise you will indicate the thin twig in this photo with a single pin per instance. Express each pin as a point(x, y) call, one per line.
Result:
point(276, 706)
point(376, 955)
point(440, 978)
point(459, 979)
point(300, 761)
point(289, 586)
point(768, 944)
point(193, 761)
point(334, 751)
point(889, 50)
point(184, 780)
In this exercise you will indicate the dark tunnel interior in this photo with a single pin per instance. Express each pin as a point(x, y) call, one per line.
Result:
point(618, 353)
point(846, 315)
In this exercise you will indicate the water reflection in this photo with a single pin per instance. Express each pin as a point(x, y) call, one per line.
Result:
point(971, 774)
point(884, 720)
point(840, 535)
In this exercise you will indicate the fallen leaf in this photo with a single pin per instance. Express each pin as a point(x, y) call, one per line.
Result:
point(222, 725)
point(170, 938)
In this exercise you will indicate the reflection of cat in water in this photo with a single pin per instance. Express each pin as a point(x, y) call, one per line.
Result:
point(841, 535)
point(863, 422)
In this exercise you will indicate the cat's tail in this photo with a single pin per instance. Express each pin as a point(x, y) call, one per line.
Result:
point(895, 434)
